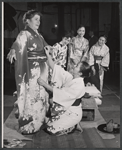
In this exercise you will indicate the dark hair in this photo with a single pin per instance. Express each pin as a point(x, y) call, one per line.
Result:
point(80, 26)
point(30, 14)
point(69, 33)
point(104, 37)
point(85, 69)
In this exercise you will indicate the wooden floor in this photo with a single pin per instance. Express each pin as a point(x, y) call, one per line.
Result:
point(74, 140)
point(110, 109)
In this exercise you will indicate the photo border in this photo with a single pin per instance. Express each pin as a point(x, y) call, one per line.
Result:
point(1, 52)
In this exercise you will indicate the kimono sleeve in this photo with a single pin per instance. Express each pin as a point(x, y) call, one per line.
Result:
point(66, 96)
point(106, 58)
point(91, 56)
point(21, 64)
point(60, 77)
point(85, 55)
point(86, 46)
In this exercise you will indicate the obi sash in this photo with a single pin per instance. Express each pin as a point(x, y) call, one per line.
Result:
point(97, 59)
point(38, 55)
point(77, 102)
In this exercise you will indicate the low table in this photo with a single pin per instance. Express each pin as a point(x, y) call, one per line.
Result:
point(88, 105)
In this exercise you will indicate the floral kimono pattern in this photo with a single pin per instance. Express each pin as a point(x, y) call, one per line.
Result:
point(65, 91)
point(100, 56)
point(59, 54)
point(78, 51)
point(32, 99)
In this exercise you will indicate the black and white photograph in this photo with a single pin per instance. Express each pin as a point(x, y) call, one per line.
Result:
point(60, 74)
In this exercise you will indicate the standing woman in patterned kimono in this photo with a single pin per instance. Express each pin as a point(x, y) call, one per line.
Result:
point(99, 59)
point(78, 49)
point(30, 64)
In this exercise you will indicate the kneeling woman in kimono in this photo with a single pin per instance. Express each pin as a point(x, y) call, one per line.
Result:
point(67, 91)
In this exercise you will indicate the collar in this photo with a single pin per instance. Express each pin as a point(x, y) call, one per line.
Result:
point(31, 30)
point(99, 45)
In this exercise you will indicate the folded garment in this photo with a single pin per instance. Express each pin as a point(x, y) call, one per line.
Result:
point(93, 91)
point(10, 134)
point(14, 143)
point(98, 101)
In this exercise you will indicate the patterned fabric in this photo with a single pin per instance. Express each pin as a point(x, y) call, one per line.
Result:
point(80, 48)
point(78, 51)
point(65, 131)
point(59, 54)
point(58, 124)
point(57, 109)
point(32, 99)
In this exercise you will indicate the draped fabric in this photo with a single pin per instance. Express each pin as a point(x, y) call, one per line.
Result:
point(65, 91)
point(32, 99)
point(80, 48)
point(78, 51)
point(59, 54)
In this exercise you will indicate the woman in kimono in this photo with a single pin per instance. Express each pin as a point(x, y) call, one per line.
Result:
point(67, 91)
point(78, 49)
point(30, 64)
point(99, 59)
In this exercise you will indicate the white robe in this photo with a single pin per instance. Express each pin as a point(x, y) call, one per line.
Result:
point(66, 90)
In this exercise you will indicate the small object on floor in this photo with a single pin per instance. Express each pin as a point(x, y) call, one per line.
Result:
point(98, 101)
point(14, 143)
point(111, 128)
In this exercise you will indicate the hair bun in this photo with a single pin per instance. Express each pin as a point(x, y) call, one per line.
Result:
point(29, 14)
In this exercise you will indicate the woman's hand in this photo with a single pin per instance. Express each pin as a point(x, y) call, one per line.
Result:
point(41, 82)
point(11, 55)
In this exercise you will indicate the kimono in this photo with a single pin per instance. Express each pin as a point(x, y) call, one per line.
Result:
point(59, 55)
point(66, 91)
point(99, 56)
point(32, 99)
point(78, 51)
